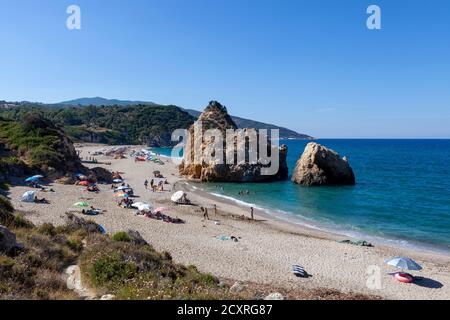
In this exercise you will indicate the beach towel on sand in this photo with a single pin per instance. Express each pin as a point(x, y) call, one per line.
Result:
point(299, 271)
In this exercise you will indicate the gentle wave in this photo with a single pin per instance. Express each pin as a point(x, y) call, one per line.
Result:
point(278, 214)
point(296, 219)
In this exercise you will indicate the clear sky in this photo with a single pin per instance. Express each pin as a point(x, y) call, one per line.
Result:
point(312, 66)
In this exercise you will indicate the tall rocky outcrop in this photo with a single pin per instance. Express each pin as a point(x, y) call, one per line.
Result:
point(319, 166)
point(215, 116)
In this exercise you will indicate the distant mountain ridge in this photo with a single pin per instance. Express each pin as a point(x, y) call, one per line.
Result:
point(285, 133)
point(99, 101)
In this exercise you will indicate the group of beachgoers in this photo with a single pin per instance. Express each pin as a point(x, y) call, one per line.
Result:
point(155, 186)
point(204, 210)
point(126, 203)
point(125, 192)
point(146, 155)
point(205, 213)
point(82, 180)
point(37, 185)
point(158, 215)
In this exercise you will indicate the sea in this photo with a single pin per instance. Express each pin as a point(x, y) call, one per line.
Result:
point(401, 196)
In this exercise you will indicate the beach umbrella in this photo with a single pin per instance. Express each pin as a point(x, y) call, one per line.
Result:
point(403, 263)
point(81, 176)
point(177, 196)
point(33, 178)
point(121, 195)
point(83, 183)
point(117, 180)
point(81, 204)
point(156, 172)
point(28, 196)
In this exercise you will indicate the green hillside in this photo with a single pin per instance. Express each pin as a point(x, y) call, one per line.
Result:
point(35, 144)
point(140, 124)
point(240, 122)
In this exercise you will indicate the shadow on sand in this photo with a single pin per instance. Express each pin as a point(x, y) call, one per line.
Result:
point(427, 283)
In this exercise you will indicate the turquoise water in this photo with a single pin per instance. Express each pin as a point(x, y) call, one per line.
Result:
point(402, 192)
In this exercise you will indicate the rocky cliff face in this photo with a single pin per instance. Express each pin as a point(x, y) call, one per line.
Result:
point(70, 160)
point(320, 166)
point(215, 116)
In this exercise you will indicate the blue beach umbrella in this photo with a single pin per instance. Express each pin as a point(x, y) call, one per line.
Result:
point(34, 178)
point(403, 263)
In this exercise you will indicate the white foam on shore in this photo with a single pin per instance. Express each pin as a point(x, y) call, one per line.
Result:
point(299, 220)
point(283, 215)
point(243, 203)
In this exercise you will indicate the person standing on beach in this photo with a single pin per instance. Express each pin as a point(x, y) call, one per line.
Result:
point(146, 184)
point(205, 214)
point(251, 213)
point(215, 209)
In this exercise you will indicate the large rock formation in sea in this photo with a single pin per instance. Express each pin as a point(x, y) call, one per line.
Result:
point(215, 116)
point(320, 166)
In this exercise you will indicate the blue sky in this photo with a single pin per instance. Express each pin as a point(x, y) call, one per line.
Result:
point(312, 66)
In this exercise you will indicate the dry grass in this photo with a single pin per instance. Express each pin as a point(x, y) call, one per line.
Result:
point(132, 271)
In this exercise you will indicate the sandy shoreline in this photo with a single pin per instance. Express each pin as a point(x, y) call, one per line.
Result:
point(267, 247)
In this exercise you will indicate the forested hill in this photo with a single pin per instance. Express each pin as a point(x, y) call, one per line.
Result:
point(240, 122)
point(140, 124)
point(148, 123)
